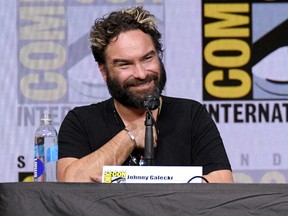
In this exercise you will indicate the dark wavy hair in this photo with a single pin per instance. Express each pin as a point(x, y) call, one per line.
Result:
point(108, 27)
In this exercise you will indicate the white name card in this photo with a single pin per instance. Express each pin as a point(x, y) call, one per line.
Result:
point(152, 174)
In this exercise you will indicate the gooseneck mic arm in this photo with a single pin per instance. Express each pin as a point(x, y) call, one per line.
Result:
point(150, 103)
point(149, 141)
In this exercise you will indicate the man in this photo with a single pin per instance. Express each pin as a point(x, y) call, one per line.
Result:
point(127, 48)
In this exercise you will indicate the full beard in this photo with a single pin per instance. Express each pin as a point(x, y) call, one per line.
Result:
point(135, 99)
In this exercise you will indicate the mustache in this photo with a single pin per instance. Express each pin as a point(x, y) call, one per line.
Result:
point(136, 82)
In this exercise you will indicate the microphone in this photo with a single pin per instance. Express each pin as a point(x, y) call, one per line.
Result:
point(150, 103)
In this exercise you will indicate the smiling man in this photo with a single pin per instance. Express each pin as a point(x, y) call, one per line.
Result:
point(126, 45)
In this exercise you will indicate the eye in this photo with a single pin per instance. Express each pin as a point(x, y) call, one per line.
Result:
point(123, 65)
point(148, 58)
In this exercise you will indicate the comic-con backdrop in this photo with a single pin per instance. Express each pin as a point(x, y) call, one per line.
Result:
point(232, 56)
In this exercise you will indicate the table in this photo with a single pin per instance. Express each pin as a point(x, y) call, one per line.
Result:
point(143, 199)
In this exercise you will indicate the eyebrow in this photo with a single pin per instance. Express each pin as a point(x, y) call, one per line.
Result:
point(115, 61)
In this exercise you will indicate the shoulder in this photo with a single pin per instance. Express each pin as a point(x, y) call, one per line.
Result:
point(169, 99)
point(187, 108)
point(93, 108)
point(181, 102)
point(90, 112)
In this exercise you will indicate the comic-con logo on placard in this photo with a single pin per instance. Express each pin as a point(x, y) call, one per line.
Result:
point(114, 177)
point(244, 50)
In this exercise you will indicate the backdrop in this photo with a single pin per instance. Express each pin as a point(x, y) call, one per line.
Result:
point(229, 55)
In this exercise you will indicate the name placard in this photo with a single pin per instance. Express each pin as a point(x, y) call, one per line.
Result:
point(152, 174)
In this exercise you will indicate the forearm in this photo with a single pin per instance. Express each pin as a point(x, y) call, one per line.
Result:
point(220, 176)
point(115, 152)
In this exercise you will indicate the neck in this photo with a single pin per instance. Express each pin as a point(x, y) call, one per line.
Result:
point(130, 114)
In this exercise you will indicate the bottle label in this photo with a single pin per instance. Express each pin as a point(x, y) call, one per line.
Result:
point(52, 153)
point(39, 161)
point(39, 168)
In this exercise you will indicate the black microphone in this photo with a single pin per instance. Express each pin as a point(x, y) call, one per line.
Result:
point(151, 103)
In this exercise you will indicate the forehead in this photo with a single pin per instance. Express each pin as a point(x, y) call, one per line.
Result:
point(131, 44)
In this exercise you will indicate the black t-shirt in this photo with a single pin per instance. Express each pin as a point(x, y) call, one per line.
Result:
point(187, 135)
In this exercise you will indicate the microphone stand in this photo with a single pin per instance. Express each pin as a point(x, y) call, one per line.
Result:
point(151, 103)
point(149, 140)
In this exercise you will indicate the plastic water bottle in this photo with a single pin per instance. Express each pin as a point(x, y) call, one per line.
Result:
point(45, 151)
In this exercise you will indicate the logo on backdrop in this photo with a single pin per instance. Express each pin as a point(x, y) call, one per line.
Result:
point(227, 51)
point(245, 51)
point(56, 70)
point(245, 58)
point(26, 177)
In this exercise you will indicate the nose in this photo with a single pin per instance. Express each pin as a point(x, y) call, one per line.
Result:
point(140, 71)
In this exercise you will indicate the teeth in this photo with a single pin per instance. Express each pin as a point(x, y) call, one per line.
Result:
point(139, 84)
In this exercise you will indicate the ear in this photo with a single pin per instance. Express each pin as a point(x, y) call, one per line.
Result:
point(102, 69)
